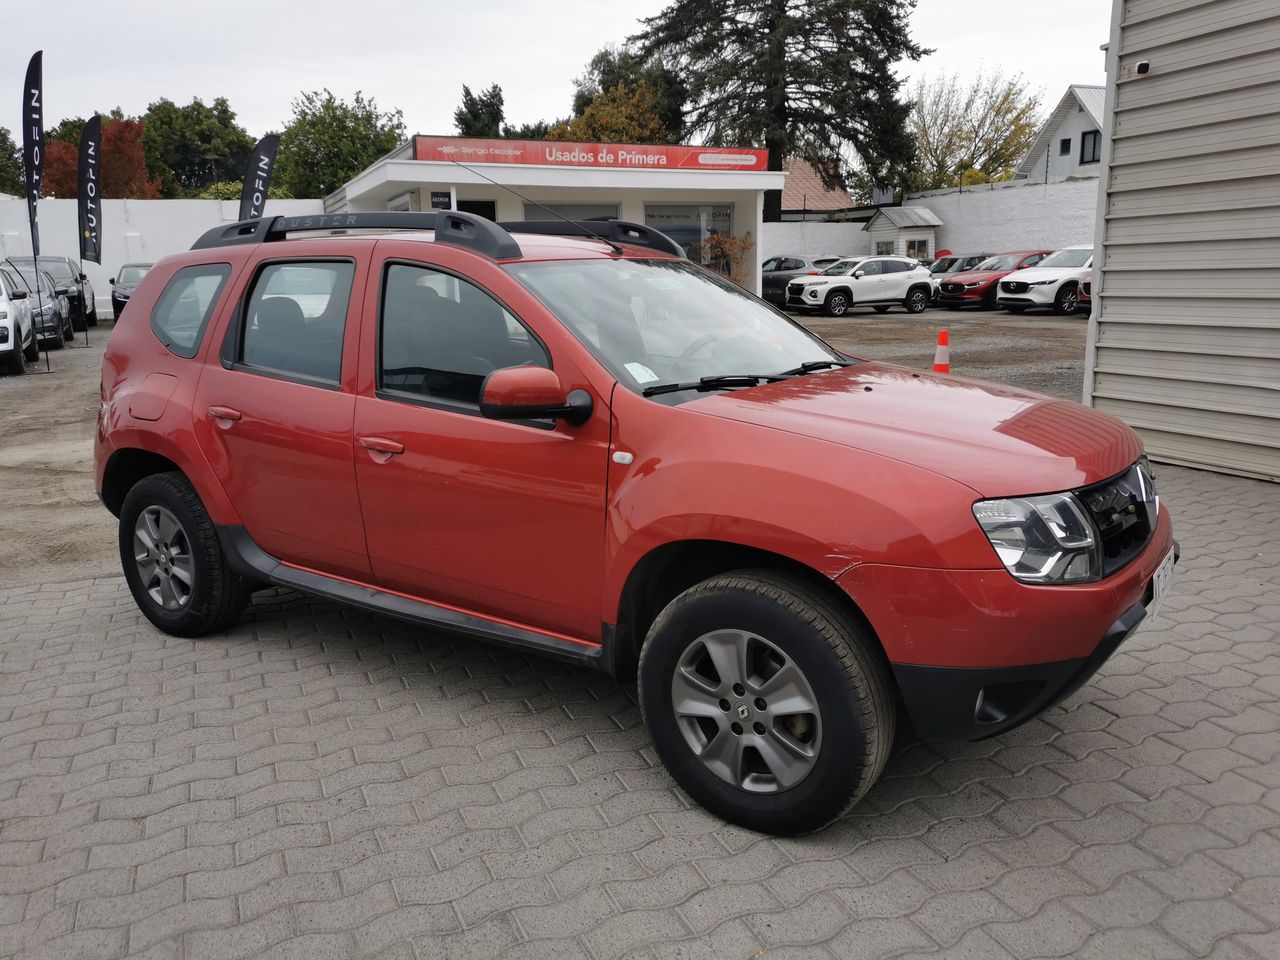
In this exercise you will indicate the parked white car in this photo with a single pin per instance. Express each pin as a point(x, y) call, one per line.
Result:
point(878, 282)
point(17, 333)
point(1054, 282)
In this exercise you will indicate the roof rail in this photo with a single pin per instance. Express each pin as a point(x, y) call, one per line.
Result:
point(613, 231)
point(451, 226)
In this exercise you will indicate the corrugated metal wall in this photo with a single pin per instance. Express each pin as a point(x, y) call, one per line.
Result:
point(1184, 343)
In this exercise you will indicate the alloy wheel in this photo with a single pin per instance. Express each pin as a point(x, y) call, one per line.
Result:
point(747, 711)
point(917, 302)
point(162, 552)
point(837, 305)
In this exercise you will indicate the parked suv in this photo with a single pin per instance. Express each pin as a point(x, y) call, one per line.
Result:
point(879, 282)
point(70, 283)
point(124, 283)
point(18, 342)
point(777, 272)
point(1054, 282)
point(588, 447)
point(946, 265)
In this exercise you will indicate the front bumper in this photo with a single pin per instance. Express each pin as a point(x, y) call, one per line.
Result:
point(1041, 296)
point(975, 652)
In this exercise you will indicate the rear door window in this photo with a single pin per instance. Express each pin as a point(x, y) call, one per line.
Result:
point(295, 319)
point(184, 308)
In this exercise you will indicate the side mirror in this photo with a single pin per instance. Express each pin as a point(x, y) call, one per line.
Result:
point(532, 393)
point(18, 295)
point(113, 281)
point(83, 278)
point(858, 274)
point(62, 291)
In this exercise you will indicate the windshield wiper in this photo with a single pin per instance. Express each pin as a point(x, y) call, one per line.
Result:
point(721, 382)
point(809, 366)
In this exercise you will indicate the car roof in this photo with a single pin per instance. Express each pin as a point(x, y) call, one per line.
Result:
point(533, 246)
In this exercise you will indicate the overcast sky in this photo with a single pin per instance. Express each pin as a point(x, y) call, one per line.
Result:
point(416, 55)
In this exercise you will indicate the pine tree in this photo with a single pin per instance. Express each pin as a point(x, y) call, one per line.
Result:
point(810, 78)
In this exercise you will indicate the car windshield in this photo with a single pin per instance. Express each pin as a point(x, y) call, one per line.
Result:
point(29, 275)
point(55, 267)
point(1006, 262)
point(943, 265)
point(1067, 258)
point(842, 268)
point(131, 274)
point(664, 321)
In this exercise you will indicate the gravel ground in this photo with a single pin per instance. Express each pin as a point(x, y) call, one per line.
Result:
point(55, 530)
point(1034, 351)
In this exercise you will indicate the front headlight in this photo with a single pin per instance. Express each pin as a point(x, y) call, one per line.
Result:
point(970, 286)
point(1046, 539)
point(1040, 283)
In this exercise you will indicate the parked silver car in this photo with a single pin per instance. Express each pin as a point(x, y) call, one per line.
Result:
point(70, 283)
point(17, 332)
point(50, 311)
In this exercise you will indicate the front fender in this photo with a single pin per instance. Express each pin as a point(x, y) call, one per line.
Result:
point(820, 504)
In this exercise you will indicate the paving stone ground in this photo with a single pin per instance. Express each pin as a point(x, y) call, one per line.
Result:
point(323, 783)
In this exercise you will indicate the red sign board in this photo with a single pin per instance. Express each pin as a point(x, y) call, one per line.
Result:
point(562, 153)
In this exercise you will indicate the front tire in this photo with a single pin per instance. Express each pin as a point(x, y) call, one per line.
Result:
point(173, 561)
point(1016, 308)
point(14, 364)
point(837, 303)
point(32, 350)
point(917, 300)
point(1067, 300)
point(709, 667)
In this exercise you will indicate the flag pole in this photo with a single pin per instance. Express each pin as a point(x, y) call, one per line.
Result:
point(84, 312)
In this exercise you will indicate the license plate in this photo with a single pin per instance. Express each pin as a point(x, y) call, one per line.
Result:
point(1161, 581)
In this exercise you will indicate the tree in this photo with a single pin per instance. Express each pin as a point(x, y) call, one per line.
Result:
point(537, 130)
point(190, 147)
point(123, 170)
point(328, 141)
point(229, 190)
point(648, 81)
point(974, 133)
point(810, 78)
point(11, 180)
point(480, 115)
point(67, 130)
point(621, 114)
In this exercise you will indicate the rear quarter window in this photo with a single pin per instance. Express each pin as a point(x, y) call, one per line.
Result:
point(181, 314)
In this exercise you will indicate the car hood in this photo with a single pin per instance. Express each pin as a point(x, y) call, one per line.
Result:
point(1032, 274)
point(974, 276)
point(997, 440)
point(819, 278)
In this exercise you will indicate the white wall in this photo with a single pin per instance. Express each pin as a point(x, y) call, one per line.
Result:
point(132, 230)
point(1017, 216)
point(1061, 167)
point(836, 239)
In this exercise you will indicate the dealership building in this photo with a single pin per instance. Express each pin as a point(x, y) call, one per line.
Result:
point(689, 193)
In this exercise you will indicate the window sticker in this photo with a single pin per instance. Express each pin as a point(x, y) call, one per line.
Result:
point(642, 373)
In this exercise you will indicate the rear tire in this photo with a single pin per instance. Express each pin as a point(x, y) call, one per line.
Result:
point(837, 303)
point(173, 560)
point(767, 633)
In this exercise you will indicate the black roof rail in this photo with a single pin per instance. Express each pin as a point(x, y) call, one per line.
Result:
point(614, 231)
point(451, 226)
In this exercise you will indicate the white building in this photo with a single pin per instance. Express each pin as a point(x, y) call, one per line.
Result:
point(1069, 145)
point(688, 192)
point(903, 232)
point(1184, 340)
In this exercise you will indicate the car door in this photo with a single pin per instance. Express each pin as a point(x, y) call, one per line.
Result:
point(274, 411)
point(898, 276)
point(867, 282)
point(500, 518)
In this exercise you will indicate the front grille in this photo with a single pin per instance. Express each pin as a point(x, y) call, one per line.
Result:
point(953, 288)
point(795, 289)
point(1125, 510)
point(1014, 286)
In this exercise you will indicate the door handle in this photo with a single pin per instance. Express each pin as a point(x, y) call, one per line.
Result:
point(224, 416)
point(380, 448)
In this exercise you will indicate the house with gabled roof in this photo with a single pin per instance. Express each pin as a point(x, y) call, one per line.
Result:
point(1069, 145)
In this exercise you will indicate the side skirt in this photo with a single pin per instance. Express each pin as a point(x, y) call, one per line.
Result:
point(249, 560)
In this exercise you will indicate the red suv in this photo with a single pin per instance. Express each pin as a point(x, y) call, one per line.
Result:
point(568, 438)
point(979, 286)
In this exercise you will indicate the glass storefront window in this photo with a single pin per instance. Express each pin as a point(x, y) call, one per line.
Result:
point(574, 211)
point(691, 225)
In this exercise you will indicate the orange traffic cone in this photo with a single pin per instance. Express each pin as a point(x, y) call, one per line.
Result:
point(942, 356)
